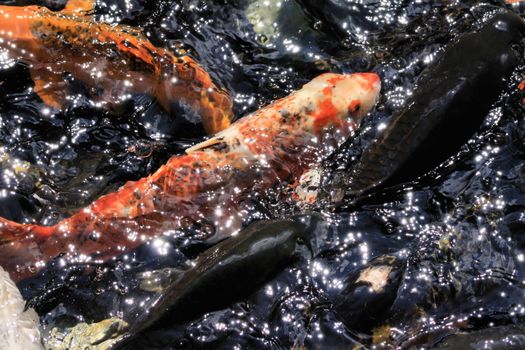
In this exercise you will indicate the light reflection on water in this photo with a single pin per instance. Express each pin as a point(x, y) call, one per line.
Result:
point(453, 241)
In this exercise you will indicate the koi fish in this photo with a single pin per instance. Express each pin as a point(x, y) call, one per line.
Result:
point(472, 68)
point(256, 255)
point(113, 61)
point(206, 187)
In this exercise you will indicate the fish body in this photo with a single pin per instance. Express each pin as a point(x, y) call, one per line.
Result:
point(205, 188)
point(253, 256)
point(368, 293)
point(113, 61)
point(452, 97)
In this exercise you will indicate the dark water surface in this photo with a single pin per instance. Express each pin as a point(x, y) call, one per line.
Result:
point(452, 241)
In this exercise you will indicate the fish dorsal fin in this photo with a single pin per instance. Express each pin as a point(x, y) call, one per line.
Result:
point(205, 144)
point(79, 7)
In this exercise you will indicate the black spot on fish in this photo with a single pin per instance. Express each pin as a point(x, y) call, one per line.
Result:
point(222, 147)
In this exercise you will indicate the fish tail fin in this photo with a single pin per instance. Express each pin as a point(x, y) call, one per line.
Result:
point(11, 231)
point(220, 112)
point(20, 247)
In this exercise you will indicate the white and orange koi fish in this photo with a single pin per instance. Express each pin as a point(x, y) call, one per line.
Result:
point(206, 186)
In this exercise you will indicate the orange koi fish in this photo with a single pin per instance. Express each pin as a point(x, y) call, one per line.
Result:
point(112, 60)
point(206, 186)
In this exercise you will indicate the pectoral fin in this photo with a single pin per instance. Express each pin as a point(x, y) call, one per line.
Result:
point(50, 87)
point(79, 7)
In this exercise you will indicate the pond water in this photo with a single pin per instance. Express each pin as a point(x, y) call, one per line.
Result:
point(450, 242)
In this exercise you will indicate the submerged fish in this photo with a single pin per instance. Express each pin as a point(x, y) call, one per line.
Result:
point(452, 97)
point(113, 61)
point(254, 256)
point(369, 292)
point(206, 187)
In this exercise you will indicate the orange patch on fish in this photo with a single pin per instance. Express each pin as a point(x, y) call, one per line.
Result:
point(327, 112)
point(334, 80)
point(371, 80)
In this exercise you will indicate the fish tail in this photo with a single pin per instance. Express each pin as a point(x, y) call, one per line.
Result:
point(27, 248)
point(21, 252)
point(11, 231)
point(182, 79)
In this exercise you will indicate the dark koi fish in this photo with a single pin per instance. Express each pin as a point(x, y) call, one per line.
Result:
point(452, 98)
point(112, 60)
point(256, 255)
point(207, 186)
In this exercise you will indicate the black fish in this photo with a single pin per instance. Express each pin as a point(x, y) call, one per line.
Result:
point(223, 274)
point(369, 292)
point(452, 98)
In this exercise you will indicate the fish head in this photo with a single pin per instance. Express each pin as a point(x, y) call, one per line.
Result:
point(340, 101)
